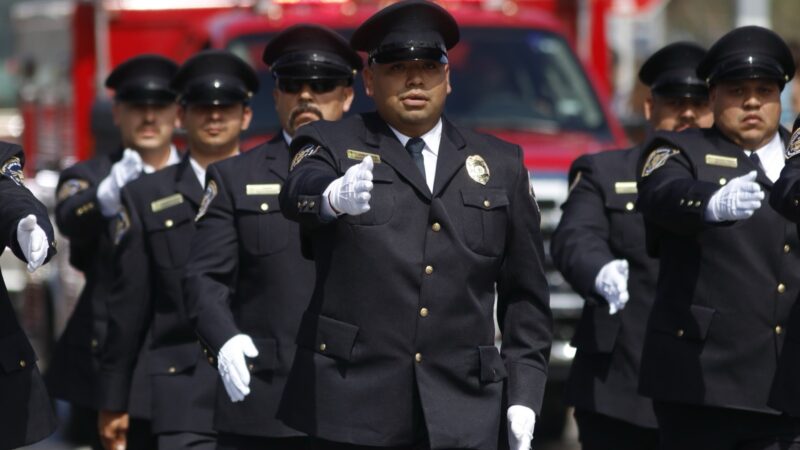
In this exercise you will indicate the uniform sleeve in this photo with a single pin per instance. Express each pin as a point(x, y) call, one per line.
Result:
point(313, 169)
point(212, 267)
point(579, 245)
point(523, 299)
point(16, 202)
point(785, 194)
point(129, 307)
point(77, 212)
point(670, 196)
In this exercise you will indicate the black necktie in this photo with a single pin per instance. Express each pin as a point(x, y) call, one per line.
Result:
point(756, 160)
point(414, 147)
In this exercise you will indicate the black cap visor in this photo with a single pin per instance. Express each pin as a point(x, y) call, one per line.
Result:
point(217, 91)
point(312, 66)
point(681, 83)
point(410, 53)
point(145, 95)
point(748, 67)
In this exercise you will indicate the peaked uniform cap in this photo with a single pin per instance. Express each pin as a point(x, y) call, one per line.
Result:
point(308, 51)
point(407, 30)
point(143, 79)
point(215, 77)
point(672, 71)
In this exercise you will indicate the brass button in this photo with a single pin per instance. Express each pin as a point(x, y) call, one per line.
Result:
point(778, 329)
point(22, 363)
point(698, 203)
point(423, 312)
point(172, 370)
point(690, 203)
point(211, 360)
point(311, 204)
point(682, 202)
point(781, 288)
point(436, 226)
point(94, 343)
point(787, 248)
point(418, 357)
point(722, 181)
point(264, 206)
point(169, 223)
point(796, 202)
point(429, 269)
point(299, 205)
point(322, 347)
point(680, 332)
point(251, 367)
point(304, 203)
point(487, 203)
point(629, 206)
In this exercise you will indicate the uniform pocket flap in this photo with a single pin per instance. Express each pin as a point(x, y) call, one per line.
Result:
point(174, 359)
point(621, 202)
point(267, 355)
point(168, 218)
point(16, 352)
point(492, 366)
point(485, 198)
point(335, 338)
point(692, 324)
point(597, 330)
point(257, 203)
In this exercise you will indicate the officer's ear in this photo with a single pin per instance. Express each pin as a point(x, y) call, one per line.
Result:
point(447, 78)
point(247, 116)
point(348, 98)
point(368, 75)
point(648, 107)
point(179, 119)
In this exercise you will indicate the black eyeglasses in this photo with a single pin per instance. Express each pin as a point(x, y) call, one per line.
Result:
point(294, 85)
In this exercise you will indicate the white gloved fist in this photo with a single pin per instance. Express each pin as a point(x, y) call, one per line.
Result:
point(612, 283)
point(127, 169)
point(350, 193)
point(33, 242)
point(233, 367)
point(737, 200)
point(521, 421)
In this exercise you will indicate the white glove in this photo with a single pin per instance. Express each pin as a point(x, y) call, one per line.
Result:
point(33, 242)
point(233, 367)
point(737, 200)
point(612, 283)
point(521, 421)
point(349, 194)
point(122, 172)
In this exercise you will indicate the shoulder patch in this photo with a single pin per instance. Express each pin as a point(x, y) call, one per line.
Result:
point(70, 188)
point(208, 197)
point(13, 169)
point(658, 158)
point(304, 153)
point(122, 224)
point(794, 145)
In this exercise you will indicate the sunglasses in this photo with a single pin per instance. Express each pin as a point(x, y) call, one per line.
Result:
point(294, 86)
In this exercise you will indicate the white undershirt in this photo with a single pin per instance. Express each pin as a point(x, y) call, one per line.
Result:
point(430, 154)
point(174, 158)
point(199, 171)
point(771, 157)
point(286, 137)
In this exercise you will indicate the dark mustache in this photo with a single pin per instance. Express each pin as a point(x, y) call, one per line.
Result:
point(304, 108)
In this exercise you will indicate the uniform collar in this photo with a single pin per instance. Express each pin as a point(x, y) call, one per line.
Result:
point(432, 138)
point(174, 158)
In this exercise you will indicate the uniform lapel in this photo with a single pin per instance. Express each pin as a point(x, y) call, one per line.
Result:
point(385, 143)
point(450, 158)
point(276, 156)
point(186, 182)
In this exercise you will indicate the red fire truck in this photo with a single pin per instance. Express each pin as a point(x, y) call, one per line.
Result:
point(516, 73)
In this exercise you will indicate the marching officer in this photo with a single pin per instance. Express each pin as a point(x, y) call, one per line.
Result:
point(152, 236)
point(727, 277)
point(599, 248)
point(26, 416)
point(246, 283)
point(412, 223)
point(88, 198)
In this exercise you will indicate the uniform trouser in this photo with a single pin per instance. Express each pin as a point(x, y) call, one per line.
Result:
point(690, 427)
point(186, 440)
point(227, 441)
point(601, 432)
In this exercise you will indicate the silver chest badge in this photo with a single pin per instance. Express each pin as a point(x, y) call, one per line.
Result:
point(477, 169)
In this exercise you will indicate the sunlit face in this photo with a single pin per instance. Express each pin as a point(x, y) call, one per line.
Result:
point(409, 95)
point(677, 113)
point(145, 127)
point(214, 129)
point(747, 111)
point(296, 109)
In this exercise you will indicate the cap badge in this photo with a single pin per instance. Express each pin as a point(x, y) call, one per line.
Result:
point(477, 169)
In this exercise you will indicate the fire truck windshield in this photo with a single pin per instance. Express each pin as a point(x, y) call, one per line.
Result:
point(503, 79)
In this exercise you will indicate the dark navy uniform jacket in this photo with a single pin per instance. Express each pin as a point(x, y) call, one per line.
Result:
point(600, 224)
point(399, 336)
point(26, 415)
point(72, 374)
point(149, 261)
point(725, 289)
point(785, 198)
point(246, 275)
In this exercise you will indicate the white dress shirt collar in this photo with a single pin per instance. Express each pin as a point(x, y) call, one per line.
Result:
point(174, 158)
point(771, 157)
